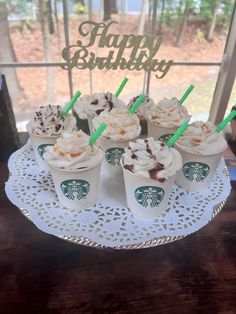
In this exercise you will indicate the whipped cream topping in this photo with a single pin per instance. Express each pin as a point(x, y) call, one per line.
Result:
point(121, 125)
point(91, 106)
point(73, 152)
point(48, 122)
point(145, 106)
point(201, 138)
point(152, 159)
point(168, 113)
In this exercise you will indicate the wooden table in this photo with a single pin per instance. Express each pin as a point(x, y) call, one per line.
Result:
point(42, 274)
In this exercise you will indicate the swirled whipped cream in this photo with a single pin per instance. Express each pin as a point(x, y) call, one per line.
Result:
point(201, 138)
point(91, 106)
point(145, 106)
point(121, 125)
point(152, 159)
point(73, 152)
point(168, 113)
point(47, 121)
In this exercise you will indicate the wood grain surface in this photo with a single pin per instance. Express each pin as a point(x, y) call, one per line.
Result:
point(42, 274)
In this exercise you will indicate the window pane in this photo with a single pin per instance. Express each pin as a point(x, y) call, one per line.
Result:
point(34, 84)
point(178, 80)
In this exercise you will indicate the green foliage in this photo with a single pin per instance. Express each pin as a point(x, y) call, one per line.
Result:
point(203, 10)
point(18, 6)
point(224, 7)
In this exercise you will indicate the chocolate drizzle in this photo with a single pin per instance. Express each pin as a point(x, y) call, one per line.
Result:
point(110, 104)
point(129, 167)
point(57, 127)
point(94, 102)
point(153, 172)
point(148, 149)
point(99, 111)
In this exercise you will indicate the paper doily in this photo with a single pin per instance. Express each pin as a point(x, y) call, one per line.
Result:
point(109, 223)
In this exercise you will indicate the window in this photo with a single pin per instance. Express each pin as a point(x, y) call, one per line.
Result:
point(194, 36)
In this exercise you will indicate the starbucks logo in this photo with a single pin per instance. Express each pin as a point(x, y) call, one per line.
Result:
point(75, 189)
point(165, 138)
point(113, 155)
point(41, 149)
point(197, 171)
point(149, 195)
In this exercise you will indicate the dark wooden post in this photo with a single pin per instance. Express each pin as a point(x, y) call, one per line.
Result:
point(9, 140)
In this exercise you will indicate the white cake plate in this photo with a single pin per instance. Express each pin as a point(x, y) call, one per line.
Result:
point(109, 223)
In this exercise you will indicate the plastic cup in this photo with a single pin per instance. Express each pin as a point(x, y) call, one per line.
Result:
point(198, 170)
point(146, 197)
point(77, 189)
point(113, 150)
point(160, 133)
point(39, 144)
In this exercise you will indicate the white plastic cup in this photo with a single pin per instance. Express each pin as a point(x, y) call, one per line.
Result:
point(198, 170)
point(39, 144)
point(113, 150)
point(146, 197)
point(160, 133)
point(77, 189)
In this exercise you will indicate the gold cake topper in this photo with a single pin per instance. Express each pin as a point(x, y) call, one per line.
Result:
point(143, 49)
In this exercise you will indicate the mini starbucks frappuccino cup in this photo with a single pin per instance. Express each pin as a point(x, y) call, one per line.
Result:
point(145, 107)
point(44, 129)
point(75, 169)
point(149, 168)
point(122, 127)
point(89, 107)
point(165, 118)
point(201, 148)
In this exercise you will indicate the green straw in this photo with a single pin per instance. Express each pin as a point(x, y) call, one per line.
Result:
point(137, 103)
point(185, 95)
point(97, 133)
point(222, 125)
point(177, 134)
point(122, 85)
point(64, 113)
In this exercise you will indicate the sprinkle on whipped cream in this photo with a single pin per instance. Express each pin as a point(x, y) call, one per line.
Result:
point(152, 159)
point(168, 113)
point(121, 125)
point(201, 138)
point(91, 106)
point(145, 106)
point(47, 121)
point(72, 151)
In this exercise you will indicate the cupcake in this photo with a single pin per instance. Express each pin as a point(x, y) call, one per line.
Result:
point(75, 169)
point(165, 118)
point(89, 107)
point(121, 128)
point(149, 168)
point(201, 148)
point(142, 110)
point(45, 127)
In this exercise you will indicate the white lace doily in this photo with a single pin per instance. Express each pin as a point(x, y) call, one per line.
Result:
point(109, 223)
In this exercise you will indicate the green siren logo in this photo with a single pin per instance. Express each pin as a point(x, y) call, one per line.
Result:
point(197, 171)
point(41, 149)
point(149, 195)
point(75, 189)
point(113, 155)
point(143, 49)
point(165, 138)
